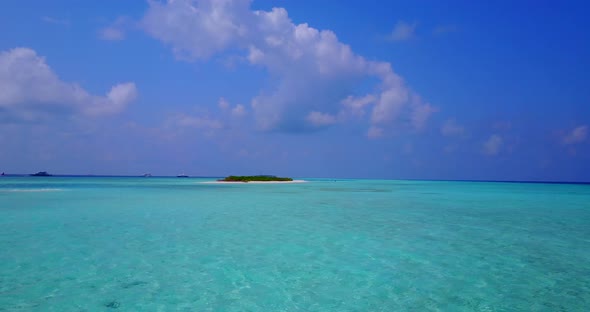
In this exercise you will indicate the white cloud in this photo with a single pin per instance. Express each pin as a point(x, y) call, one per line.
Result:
point(116, 31)
point(197, 29)
point(493, 145)
point(313, 70)
point(356, 105)
point(451, 128)
point(391, 100)
point(403, 31)
point(238, 111)
point(577, 135)
point(421, 113)
point(30, 89)
point(119, 96)
point(319, 119)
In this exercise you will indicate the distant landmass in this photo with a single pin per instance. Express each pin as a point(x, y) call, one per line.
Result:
point(41, 174)
point(261, 178)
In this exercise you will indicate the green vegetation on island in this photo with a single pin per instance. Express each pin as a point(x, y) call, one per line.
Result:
point(263, 178)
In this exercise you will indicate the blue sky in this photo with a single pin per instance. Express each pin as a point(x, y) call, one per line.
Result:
point(359, 89)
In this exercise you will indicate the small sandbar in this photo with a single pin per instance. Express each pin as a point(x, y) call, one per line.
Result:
point(255, 182)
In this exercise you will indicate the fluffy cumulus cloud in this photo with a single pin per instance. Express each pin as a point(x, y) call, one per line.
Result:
point(575, 136)
point(31, 90)
point(318, 77)
point(356, 105)
point(198, 29)
point(237, 111)
point(493, 145)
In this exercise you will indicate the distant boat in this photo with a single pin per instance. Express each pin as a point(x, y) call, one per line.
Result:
point(147, 175)
point(182, 176)
point(2, 174)
point(41, 174)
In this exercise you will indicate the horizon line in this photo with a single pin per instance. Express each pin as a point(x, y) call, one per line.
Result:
point(324, 178)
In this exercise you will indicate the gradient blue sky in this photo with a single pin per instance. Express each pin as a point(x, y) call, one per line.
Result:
point(369, 89)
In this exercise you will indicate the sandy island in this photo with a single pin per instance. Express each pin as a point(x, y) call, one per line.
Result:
point(255, 182)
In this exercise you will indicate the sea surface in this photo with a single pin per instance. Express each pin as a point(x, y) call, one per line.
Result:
point(169, 244)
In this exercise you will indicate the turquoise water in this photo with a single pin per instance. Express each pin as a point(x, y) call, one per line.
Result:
point(165, 244)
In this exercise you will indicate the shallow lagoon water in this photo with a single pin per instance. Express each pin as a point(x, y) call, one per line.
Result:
point(162, 244)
